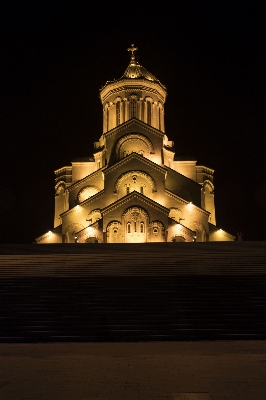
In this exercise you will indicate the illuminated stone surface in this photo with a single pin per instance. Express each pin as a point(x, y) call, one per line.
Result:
point(134, 189)
point(134, 371)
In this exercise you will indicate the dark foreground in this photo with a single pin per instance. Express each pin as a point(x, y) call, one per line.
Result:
point(124, 293)
point(134, 371)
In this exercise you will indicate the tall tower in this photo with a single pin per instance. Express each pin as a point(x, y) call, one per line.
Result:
point(137, 94)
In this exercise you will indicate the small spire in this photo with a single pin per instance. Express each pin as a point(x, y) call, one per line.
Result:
point(132, 49)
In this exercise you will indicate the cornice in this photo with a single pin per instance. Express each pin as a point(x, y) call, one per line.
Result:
point(62, 169)
point(129, 85)
point(224, 232)
point(184, 176)
point(83, 180)
point(84, 203)
point(138, 196)
point(134, 121)
point(206, 170)
point(174, 196)
point(46, 235)
point(170, 150)
point(140, 158)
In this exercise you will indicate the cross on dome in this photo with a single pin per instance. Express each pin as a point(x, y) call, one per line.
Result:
point(132, 49)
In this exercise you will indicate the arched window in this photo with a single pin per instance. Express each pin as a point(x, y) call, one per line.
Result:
point(142, 227)
point(117, 112)
point(149, 112)
point(133, 108)
point(128, 189)
point(128, 227)
point(159, 119)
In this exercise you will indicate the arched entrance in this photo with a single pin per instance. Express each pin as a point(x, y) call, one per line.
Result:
point(135, 222)
point(114, 232)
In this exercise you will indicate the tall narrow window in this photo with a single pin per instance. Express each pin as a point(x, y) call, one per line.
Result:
point(107, 119)
point(141, 189)
point(142, 227)
point(135, 226)
point(159, 119)
point(128, 227)
point(117, 113)
point(128, 189)
point(133, 108)
point(149, 112)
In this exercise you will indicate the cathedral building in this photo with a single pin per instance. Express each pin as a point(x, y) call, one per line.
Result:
point(134, 189)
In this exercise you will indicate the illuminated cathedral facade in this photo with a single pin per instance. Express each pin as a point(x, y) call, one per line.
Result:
point(134, 189)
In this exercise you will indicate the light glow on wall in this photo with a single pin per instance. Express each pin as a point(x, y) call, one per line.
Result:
point(190, 205)
point(177, 227)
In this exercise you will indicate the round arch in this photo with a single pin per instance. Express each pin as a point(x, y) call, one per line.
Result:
point(133, 142)
point(200, 230)
point(60, 188)
point(136, 180)
point(70, 232)
point(114, 232)
point(135, 224)
point(86, 192)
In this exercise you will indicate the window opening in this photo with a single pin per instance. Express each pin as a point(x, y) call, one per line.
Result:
point(141, 189)
point(135, 226)
point(118, 113)
point(159, 119)
point(128, 189)
point(149, 112)
point(141, 227)
point(133, 106)
point(128, 227)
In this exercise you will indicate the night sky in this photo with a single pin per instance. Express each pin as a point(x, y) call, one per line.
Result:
point(56, 55)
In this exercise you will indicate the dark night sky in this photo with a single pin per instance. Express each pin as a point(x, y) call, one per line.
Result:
point(58, 54)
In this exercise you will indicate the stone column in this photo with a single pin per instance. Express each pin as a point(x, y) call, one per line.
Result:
point(112, 116)
point(127, 114)
point(145, 111)
point(138, 114)
point(105, 116)
point(162, 120)
point(153, 114)
point(122, 115)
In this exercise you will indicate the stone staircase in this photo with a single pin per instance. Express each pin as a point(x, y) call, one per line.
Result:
point(133, 292)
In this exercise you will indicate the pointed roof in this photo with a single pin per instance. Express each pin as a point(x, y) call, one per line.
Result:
point(135, 196)
point(136, 71)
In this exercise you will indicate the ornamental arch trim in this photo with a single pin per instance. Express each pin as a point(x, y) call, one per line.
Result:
point(135, 211)
point(208, 183)
point(82, 196)
point(149, 98)
point(200, 230)
point(94, 215)
point(71, 231)
point(58, 186)
point(129, 174)
point(133, 137)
